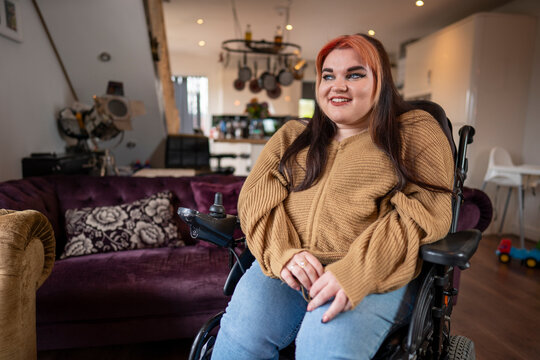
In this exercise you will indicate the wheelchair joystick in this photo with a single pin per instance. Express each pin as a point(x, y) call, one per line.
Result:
point(217, 210)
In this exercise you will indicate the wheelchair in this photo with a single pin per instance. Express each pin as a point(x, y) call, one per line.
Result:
point(427, 336)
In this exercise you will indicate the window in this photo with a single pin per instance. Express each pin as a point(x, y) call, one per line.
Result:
point(191, 94)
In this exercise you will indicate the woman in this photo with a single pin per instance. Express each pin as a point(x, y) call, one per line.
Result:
point(335, 211)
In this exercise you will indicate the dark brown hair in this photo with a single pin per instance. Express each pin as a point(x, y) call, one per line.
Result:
point(384, 126)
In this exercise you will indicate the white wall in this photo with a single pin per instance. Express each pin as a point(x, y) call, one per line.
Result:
point(82, 30)
point(32, 90)
point(531, 145)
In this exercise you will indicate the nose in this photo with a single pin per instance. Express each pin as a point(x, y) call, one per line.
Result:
point(340, 85)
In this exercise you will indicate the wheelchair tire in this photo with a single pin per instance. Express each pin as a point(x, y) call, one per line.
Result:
point(204, 341)
point(461, 348)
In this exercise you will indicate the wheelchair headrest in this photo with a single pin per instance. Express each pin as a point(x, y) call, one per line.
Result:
point(438, 113)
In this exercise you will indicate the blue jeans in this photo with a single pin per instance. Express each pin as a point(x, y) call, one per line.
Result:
point(266, 315)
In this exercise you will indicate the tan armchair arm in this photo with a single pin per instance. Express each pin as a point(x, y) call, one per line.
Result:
point(27, 253)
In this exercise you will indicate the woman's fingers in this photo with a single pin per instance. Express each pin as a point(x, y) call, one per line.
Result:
point(304, 268)
point(341, 303)
point(289, 279)
point(321, 284)
point(323, 290)
point(301, 273)
point(315, 263)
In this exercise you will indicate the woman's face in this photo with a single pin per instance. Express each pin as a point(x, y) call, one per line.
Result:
point(345, 92)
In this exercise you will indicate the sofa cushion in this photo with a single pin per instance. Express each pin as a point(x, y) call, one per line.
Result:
point(135, 284)
point(146, 223)
point(204, 193)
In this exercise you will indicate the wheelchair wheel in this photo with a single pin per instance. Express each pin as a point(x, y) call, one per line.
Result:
point(204, 341)
point(461, 348)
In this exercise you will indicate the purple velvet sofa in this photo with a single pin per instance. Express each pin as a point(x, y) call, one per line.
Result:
point(146, 294)
point(125, 296)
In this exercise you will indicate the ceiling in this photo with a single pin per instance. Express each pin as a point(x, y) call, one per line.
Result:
point(314, 21)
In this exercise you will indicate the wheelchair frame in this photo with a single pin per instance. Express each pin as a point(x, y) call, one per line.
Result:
point(427, 336)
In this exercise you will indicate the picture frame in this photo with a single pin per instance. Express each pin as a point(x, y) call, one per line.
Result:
point(11, 20)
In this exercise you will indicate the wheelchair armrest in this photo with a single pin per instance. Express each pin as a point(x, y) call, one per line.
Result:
point(217, 230)
point(453, 250)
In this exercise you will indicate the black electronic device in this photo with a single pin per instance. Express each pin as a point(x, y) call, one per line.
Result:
point(39, 164)
point(187, 151)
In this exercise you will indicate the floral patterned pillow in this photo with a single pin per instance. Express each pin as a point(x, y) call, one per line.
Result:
point(145, 223)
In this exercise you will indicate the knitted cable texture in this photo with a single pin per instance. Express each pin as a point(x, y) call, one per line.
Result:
point(367, 238)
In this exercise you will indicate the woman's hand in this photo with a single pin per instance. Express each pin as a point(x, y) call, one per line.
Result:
point(325, 288)
point(303, 269)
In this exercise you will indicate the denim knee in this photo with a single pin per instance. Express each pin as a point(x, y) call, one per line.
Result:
point(354, 334)
point(263, 316)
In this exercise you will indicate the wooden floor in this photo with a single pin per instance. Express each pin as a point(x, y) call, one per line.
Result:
point(498, 308)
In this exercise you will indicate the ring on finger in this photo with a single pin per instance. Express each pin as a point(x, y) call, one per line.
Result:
point(291, 267)
point(302, 264)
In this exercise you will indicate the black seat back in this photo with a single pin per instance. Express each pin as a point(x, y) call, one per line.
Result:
point(460, 159)
point(438, 113)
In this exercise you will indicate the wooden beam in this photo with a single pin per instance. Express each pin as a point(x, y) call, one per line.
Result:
point(160, 54)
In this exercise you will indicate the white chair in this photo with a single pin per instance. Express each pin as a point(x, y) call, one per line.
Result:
point(499, 157)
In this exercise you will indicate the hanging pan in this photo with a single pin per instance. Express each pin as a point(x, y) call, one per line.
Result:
point(285, 76)
point(254, 85)
point(244, 72)
point(275, 92)
point(239, 84)
point(267, 79)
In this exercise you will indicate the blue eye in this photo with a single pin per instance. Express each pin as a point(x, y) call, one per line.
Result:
point(356, 76)
point(328, 77)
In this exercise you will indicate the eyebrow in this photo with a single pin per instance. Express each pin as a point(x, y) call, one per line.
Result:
point(353, 68)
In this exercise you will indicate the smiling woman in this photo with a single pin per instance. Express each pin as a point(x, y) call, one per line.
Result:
point(345, 92)
point(350, 274)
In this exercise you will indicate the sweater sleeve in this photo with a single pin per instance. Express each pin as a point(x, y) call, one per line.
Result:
point(271, 236)
point(385, 256)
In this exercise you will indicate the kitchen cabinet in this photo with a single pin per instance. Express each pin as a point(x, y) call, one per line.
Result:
point(478, 70)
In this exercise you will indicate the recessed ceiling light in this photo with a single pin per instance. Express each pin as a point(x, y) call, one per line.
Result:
point(200, 21)
point(287, 98)
point(289, 27)
point(236, 102)
point(202, 43)
point(371, 32)
point(419, 3)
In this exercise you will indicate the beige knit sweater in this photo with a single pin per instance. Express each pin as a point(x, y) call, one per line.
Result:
point(368, 239)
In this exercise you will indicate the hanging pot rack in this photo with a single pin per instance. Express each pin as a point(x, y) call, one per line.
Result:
point(262, 47)
point(271, 81)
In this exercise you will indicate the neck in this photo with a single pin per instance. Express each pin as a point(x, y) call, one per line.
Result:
point(342, 134)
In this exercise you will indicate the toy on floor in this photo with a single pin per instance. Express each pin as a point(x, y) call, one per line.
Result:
point(505, 252)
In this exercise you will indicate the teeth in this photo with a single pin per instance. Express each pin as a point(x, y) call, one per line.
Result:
point(340, 100)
